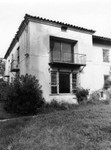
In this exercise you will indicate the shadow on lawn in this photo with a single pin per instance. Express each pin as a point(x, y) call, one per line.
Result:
point(10, 128)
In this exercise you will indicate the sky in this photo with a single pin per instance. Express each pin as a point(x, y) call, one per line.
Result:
point(91, 14)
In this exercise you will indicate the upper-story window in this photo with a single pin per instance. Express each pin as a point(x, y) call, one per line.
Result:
point(61, 51)
point(105, 55)
point(12, 58)
point(18, 55)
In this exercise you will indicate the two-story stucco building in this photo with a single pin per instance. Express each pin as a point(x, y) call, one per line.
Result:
point(61, 56)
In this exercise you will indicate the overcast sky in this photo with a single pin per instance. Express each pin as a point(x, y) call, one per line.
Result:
point(91, 14)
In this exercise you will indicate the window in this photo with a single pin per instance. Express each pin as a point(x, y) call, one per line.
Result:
point(106, 77)
point(66, 52)
point(12, 59)
point(106, 85)
point(61, 51)
point(18, 55)
point(74, 82)
point(64, 28)
point(61, 82)
point(105, 55)
point(54, 82)
point(56, 51)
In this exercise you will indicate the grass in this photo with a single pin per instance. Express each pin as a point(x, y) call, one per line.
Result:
point(87, 127)
point(3, 113)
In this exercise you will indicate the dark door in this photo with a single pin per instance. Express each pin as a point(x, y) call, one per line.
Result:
point(64, 83)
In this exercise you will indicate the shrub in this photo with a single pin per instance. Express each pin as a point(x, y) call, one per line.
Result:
point(94, 96)
point(4, 86)
point(81, 94)
point(55, 105)
point(24, 96)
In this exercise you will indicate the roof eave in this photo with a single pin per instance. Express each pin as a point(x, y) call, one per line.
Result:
point(28, 18)
point(51, 22)
point(101, 40)
point(16, 38)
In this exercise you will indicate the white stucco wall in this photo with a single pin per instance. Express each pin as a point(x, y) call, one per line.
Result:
point(93, 74)
point(23, 44)
point(24, 48)
point(39, 53)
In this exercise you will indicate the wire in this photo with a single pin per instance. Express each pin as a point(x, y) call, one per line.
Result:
point(22, 60)
point(37, 55)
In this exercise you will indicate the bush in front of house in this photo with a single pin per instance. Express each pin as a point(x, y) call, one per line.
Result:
point(24, 96)
point(55, 105)
point(4, 86)
point(94, 97)
point(81, 94)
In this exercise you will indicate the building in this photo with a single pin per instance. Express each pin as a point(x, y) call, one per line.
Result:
point(61, 56)
point(2, 68)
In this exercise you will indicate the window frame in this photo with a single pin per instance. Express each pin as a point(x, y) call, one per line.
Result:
point(62, 41)
point(74, 81)
point(106, 77)
point(54, 85)
point(18, 55)
point(71, 82)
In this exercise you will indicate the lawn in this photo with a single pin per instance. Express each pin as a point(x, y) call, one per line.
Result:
point(3, 113)
point(87, 127)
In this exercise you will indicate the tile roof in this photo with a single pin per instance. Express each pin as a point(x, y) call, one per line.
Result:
point(28, 18)
point(101, 39)
point(58, 23)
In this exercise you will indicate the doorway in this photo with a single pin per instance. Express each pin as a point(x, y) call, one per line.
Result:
point(64, 82)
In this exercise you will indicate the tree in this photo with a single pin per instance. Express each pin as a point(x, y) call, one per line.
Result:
point(4, 87)
point(2, 66)
point(24, 96)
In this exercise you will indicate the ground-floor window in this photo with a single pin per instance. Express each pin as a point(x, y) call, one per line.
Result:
point(63, 82)
point(106, 78)
point(74, 82)
point(54, 82)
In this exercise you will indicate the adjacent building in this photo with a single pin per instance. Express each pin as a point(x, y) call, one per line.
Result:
point(62, 57)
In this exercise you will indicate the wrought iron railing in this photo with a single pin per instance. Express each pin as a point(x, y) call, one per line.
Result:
point(14, 66)
point(67, 57)
point(79, 58)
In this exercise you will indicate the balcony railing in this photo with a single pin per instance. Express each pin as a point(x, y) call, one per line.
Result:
point(80, 59)
point(66, 57)
point(14, 66)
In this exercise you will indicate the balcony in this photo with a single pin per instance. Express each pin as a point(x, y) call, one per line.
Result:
point(14, 66)
point(80, 59)
point(67, 59)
